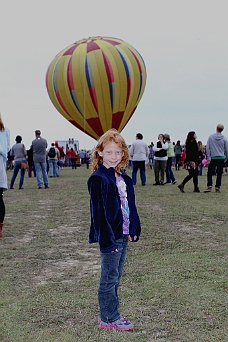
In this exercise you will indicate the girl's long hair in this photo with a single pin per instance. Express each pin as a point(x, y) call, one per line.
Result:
point(109, 136)
point(200, 145)
point(190, 137)
point(2, 127)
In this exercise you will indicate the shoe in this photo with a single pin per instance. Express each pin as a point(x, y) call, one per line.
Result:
point(174, 182)
point(181, 187)
point(162, 183)
point(46, 186)
point(156, 183)
point(196, 190)
point(40, 187)
point(21, 188)
point(168, 183)
point(208, 189)
point(121, 324)
point(217, 190)
point(11, 187)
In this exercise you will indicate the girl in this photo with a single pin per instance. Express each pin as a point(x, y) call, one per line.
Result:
point(201, 157)
point(4, 149)
point(191, 162)
point(114, 221)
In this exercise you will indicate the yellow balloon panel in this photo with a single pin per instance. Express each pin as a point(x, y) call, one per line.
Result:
point(97, 83)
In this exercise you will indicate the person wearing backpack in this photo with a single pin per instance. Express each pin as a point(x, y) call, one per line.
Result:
point(53, 156)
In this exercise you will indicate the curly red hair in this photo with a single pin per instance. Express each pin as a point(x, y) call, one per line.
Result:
point(110, 135)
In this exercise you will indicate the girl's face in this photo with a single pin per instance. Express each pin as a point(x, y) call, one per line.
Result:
point(112, 155)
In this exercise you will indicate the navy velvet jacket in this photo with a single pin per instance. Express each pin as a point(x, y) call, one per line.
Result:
point(105, 208)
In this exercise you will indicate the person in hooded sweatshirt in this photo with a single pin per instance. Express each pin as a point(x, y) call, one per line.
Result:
point(217, 153)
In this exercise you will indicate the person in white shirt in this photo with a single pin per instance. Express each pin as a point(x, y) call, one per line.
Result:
point(139, 153)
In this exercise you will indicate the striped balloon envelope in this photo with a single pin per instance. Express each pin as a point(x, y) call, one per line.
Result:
point(97, 83)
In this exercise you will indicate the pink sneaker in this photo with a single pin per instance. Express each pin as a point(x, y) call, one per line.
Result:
point(121, 324)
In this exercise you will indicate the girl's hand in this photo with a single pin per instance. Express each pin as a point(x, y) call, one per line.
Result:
point(132, 239)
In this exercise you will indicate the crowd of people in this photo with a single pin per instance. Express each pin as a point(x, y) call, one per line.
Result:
point(165, 156)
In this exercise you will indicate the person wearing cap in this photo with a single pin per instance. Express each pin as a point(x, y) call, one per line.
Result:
point(39, 146)
point(19, 152)
point(170, 179)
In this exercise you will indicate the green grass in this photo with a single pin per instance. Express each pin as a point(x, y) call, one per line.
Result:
point(174, 286)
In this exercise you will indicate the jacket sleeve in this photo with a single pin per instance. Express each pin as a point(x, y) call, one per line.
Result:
point(25, 151)
point(165, 146)
point(147, 151)
point(208, 150)
point(131, 151)
point(8, 140)
point(101, 228)
point(226, 149)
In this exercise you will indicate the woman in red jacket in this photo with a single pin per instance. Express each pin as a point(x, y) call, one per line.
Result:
point(73, 158)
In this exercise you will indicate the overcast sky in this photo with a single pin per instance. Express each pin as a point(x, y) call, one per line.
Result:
point(184, 45)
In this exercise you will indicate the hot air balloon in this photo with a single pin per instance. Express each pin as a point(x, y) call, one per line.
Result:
point(97, 83)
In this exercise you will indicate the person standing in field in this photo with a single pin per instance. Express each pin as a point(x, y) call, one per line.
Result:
point(4, 149)
point(178, 153)
point(160, 159)
point(53, 155)
point(39, 146)
point(217, 154)
point(19, 152)
point(170, 178)
point(114, 222)
point(139, 153)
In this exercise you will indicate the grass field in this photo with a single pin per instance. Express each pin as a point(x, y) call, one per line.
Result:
point(174, 286)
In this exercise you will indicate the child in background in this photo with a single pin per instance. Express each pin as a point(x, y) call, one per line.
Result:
point(87, 160)
point(114, 221)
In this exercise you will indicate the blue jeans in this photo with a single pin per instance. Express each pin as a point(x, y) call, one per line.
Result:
point(41, 167)
point(17, 167)
point(141, 166)
point(169, 172)
point(112, 265)
point(218, 165)
point(53, 167)
point(200, 171)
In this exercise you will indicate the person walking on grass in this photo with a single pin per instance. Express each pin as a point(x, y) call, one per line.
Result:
point(217, 153)
point(19, 152)
point(191, 162)
point(4, 149)
point(114, 222)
